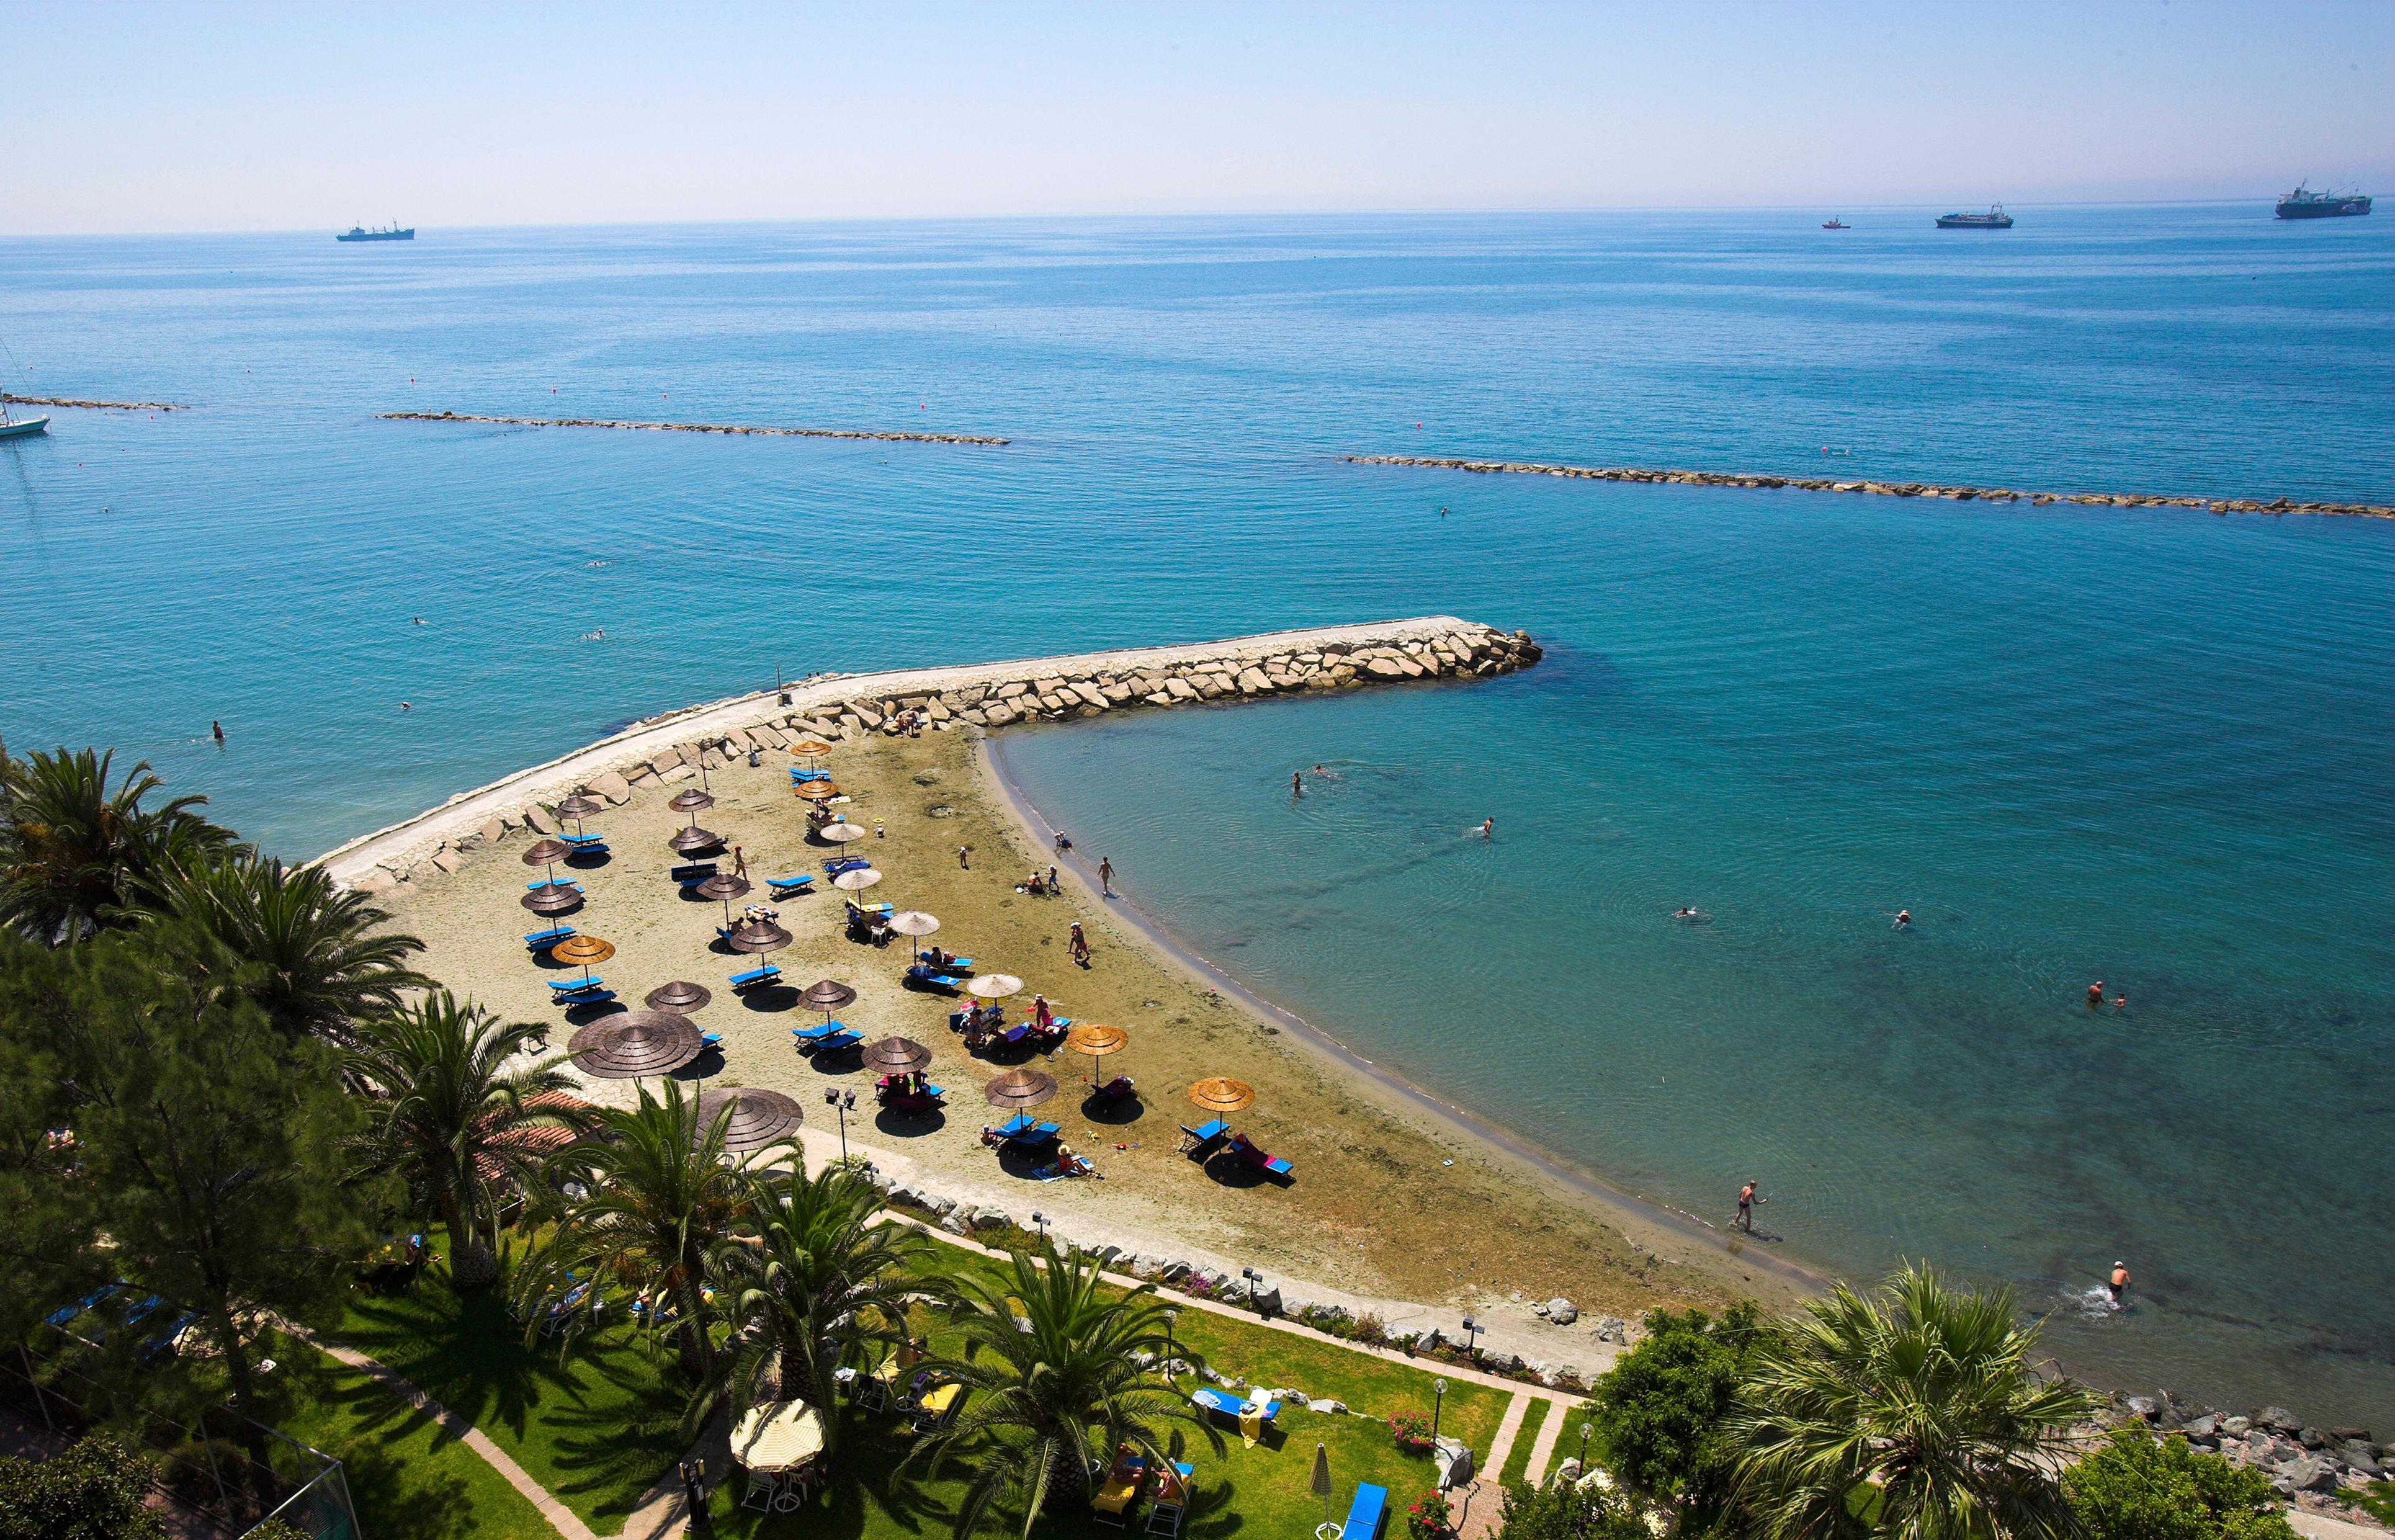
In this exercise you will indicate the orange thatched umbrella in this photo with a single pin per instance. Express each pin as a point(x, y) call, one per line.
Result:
point(1223, 1095)
point(816, 791)
point(1097, 1039)
point(585, 949)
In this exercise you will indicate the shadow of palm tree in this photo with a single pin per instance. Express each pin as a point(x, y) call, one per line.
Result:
point(463, 1350)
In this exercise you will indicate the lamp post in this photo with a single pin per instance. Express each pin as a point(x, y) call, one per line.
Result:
point(1041, 1220)
point(846, 1102)
point(1472, 1338)
point(1584, 1449)
point(1438, 1389)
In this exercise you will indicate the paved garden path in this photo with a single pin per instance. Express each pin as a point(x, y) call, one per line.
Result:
point(1480, 1501)
point(1544, 1449)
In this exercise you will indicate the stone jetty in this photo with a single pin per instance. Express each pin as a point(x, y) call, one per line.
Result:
point(691, 427)
point(978, 697)
point(93, 405)
point(1876, 488)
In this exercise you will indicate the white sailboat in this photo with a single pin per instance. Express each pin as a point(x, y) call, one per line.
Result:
point(19, 427)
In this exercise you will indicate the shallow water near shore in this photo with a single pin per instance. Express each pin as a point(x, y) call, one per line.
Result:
point(2153, 747)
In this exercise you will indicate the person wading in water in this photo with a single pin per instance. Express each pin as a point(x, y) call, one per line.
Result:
point(1747, 1199)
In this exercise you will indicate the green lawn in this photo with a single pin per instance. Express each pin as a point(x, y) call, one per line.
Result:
point(406, 1475)
point(597, 1432)
point(1517, 1463)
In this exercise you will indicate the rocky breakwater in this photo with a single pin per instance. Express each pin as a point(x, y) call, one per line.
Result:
point(979, 697)
point(2298, 1457)
point(737, 428)
point(1875, 488)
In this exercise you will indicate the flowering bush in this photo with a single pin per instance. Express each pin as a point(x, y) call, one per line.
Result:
point(1412, 1432)
point(1430, 1518)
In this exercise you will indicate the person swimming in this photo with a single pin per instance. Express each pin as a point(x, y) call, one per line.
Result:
point(1487, 828)
point(1903, 919)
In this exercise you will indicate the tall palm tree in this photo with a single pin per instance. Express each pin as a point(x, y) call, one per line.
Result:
point(320, 964)
point(1045, 1400)
point(812, 1280)
point(1915, 1414)
point(451, 1106)
point(642, 1199)
point(73, 854)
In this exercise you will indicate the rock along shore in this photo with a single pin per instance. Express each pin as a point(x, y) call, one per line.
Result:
point(689, 428)
point(839, 707)
point(93, 405)
point(1878, 489)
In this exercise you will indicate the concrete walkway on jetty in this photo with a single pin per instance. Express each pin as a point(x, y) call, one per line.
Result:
point(982, 695)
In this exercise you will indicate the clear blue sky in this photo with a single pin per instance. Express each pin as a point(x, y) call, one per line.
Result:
point(191, 117)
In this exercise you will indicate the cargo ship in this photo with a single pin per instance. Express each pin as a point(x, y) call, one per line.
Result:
point(391, 233)
point(1994, 218)
point(2304, 203)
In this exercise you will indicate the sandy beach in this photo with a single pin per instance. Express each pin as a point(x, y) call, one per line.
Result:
point(1394, 1199)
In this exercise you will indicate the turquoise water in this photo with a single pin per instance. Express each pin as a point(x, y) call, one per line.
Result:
point(2156, 748)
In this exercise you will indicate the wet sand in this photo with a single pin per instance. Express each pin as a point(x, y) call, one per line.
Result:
point(1374, 1215)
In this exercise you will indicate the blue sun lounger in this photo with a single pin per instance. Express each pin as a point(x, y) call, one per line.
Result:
point(799, 776)
point(582, 997)
point(65, 1313)
point(1194, 1140)
point(546, 882)
point(1367, 1514)
point(954, 965)
point(574, 985)
point(709, 1040)
point(1211, 1399)
point(1026, 1129)
point(584, 841)
point(763, 972)
point(541, 941)
point(784, 887)
point(839, 863)
point(829, 1038)
point(923, 972)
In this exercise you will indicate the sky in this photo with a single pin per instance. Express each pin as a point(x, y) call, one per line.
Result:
point(140, 117)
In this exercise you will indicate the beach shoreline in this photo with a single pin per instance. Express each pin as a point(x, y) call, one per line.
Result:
point(1623, 1209)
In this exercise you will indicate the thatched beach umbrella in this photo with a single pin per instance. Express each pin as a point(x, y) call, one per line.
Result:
point(548, 853)
point(552, 899)
point(814, 791)
point(1097, 1039)
point(585, 949)
point(856, 878)
point(1019, 1089)
point(841, 833)
point(758, 935)
point(691, 801)
point(725, 886)
point(580, 805)
point(760, 1119)
point(635, 1044)
point(994, 986)
point(681, 995)
point(810, 747)
point(1223, 1096)
point(690, 841)
point(825, 995)
point(897, 1055)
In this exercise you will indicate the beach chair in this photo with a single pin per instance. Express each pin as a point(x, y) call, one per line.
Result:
point(799, 777)
point(947, 964)
point(1025, 1129)
point(691, 874)
point(1246, 1149)
point(546, 882)
point(709, 1040)
point(1170, 1505)
point(829, 1038)
point(1367, 1514)
point(938, 1407)
point(763, 972)
point(929, 977)
point(1196, 1141)
point(541, 940)
point(585, 844)
point(1251, 1418)
point(574, 985)
point(65, 1313)
point(839, 863)
point(790, 887)
point(1116, 1089)
point(159, 1346)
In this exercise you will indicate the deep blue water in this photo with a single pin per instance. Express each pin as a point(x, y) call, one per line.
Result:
point(2157, 748)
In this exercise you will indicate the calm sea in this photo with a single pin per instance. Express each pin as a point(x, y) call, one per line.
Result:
point(2154, 747)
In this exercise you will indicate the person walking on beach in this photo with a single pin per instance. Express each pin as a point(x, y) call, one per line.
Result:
point(739, 863)
point(1747, 1199)
point(1106, 878)
point(1078, 946)
point(1054, 884)
point(2119, 1280)
point(964, 858)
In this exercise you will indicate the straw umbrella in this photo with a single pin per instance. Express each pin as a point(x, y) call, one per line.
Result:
point(993, 985)
point(585, 949)
point(841, 833)
point(856, 878)
point(1019, 1088)
point(551, 899)
point(811, 748)
point(636, 1044)
point(1097, 1039)
point(690, 841)
point(1223, 1096)
point(757, 936)
point(691, 801)
point(825, 995)
point(814, 791)
point(760, 1119)
point(897, 1055)
point(681, 995)
point(579, 806)
point(727, 887)
point(548, 853)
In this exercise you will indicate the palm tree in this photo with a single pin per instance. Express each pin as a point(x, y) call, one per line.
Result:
point(320, 967)
point(643, 1198)
point(73, 854)
point(817, 1280)
point(451, 1116)
point(1915, 1414)
point(1044, 1401)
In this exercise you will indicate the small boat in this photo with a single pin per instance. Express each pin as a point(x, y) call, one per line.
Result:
point(20, 427)
point(1835, 224)
point(388, 232)
point(1994, 218)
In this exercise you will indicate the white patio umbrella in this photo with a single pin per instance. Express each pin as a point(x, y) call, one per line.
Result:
point(856, 878)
